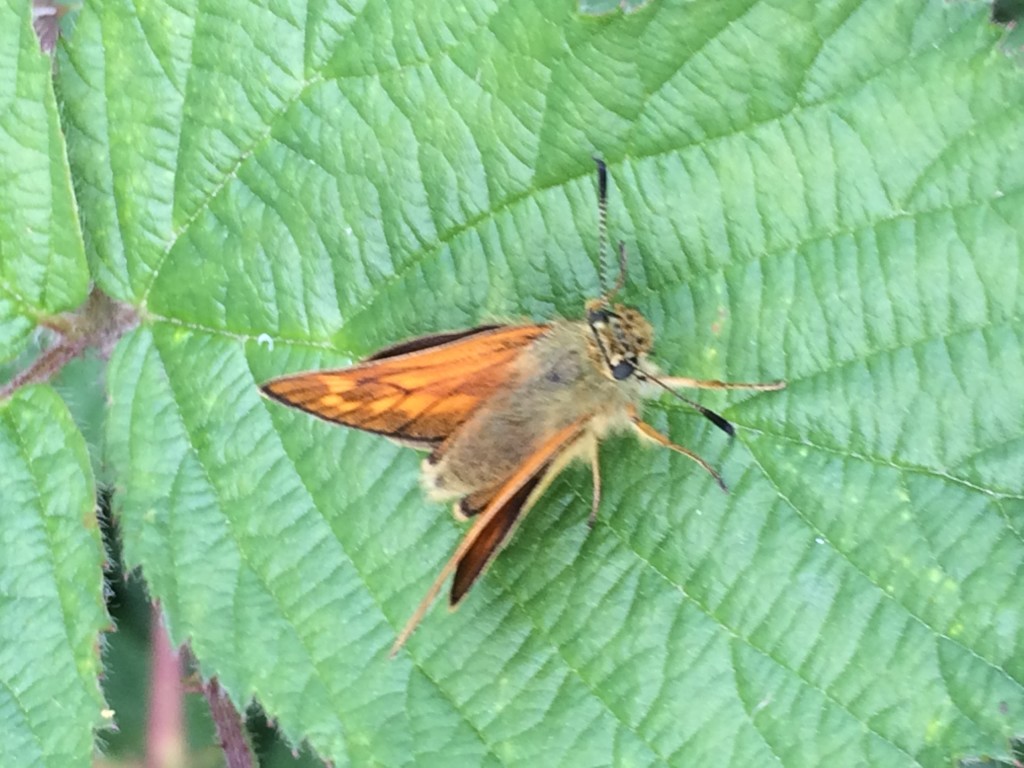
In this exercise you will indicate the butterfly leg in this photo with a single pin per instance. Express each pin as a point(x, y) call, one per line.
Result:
point(646, 430)
point(685, 382)
point(595, 465)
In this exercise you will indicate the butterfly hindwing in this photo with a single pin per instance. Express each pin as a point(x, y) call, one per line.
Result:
point(493, 526)
point(493, 535)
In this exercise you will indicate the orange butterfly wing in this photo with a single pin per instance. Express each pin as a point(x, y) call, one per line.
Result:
point(496, 522)
point(492, 537)
point(416, 391)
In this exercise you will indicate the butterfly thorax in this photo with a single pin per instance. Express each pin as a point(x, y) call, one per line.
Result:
point(620, 338)
point(559, 378)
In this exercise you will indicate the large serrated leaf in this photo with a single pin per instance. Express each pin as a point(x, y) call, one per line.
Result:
point(42, 261)
point(51, 586)
point(829, 193)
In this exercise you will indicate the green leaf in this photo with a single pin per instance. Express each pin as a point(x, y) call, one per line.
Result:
point(1013, 759)
point(80, 384)
point(51, 586)
point(42, 260)
point(600, 7)
point(829, 193)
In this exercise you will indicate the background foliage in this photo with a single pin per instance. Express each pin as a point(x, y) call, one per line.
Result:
point(825, 192)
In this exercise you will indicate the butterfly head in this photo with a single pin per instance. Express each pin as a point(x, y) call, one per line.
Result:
point(620, 338)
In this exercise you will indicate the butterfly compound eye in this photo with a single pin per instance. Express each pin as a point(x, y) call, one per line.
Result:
point(623, 370)
point(598, 316)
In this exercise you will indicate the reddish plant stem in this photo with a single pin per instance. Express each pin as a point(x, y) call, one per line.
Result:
point(98, 324)
point(46, 366)
point(165, 729)
point(230, 729)
point(46, 16)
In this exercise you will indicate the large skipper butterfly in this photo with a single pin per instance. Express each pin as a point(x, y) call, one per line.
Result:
point(502, 408)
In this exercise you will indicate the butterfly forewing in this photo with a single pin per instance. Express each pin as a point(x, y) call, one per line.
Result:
point(426, 342)
point(420, 395)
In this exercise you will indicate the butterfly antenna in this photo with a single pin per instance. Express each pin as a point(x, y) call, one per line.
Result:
point(602, 235)
point(602, 222)
point(621, 279)
point(715, 418)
